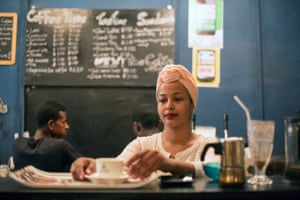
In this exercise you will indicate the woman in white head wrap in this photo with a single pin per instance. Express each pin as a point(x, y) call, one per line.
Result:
point(175, 149)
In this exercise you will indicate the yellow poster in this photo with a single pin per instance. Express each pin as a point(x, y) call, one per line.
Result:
point(206, 67)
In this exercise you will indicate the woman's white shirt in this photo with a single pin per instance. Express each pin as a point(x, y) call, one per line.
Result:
point(190, 154)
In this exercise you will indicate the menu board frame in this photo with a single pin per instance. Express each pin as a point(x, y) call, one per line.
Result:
point(13, 39)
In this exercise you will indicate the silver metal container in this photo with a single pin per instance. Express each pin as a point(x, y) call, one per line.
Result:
point(232, 172)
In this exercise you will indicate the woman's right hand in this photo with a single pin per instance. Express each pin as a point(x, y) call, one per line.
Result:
point(81, 167)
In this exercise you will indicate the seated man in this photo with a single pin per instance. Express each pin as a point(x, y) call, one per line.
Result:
point(47, 149)
point(146, 120)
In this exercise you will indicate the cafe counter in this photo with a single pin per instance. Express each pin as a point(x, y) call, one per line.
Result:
point(200, 189)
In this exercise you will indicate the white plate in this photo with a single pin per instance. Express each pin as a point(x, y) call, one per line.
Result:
point(95, 178)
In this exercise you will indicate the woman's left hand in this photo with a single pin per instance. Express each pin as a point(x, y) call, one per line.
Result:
point(142, 164)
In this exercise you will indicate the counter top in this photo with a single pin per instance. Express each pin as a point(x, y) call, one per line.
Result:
point(200, 189)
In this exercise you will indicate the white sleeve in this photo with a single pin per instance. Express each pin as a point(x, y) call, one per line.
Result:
point(210, 156)
point(199, 172)
point(131, 149)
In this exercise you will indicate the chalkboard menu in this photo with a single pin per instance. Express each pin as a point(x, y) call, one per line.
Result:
point(88, 47)
point(8, 36)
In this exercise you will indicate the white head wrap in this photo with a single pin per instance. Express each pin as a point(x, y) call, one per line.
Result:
point(172, 73)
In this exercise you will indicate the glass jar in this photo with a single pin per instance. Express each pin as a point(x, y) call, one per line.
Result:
point(292, 148)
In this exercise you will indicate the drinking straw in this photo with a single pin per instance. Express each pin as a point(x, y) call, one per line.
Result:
point(225, 120)
point(236, 98)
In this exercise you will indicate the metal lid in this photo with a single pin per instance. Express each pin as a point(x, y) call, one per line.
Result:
point(294, 118)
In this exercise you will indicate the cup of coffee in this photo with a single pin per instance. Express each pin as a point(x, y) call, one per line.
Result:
point(109, 167)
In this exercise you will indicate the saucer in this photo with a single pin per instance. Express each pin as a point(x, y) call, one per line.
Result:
point(97, 179)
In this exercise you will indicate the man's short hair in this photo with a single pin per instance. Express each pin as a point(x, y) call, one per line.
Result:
point(147, 115)
point(48, 110)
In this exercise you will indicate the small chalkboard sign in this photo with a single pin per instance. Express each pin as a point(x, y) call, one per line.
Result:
point(8, 37)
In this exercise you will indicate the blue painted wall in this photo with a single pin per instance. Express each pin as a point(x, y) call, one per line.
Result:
point(259, 62)
point(11, 85)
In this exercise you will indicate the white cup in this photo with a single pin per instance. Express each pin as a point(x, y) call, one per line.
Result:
point(109, 167)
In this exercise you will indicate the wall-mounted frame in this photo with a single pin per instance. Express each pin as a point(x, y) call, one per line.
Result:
point(8, 38)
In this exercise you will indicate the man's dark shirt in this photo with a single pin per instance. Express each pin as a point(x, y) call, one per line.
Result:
point(49, 154)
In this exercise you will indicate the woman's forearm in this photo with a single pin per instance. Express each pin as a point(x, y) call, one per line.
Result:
point(178, 167)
